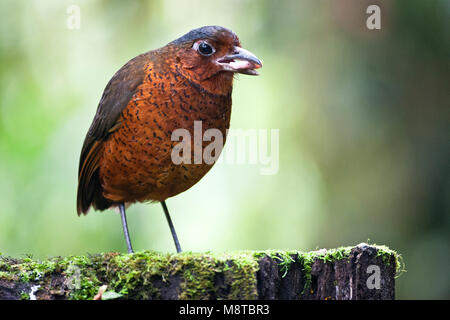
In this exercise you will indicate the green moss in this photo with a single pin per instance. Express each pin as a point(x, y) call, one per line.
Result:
point(386, 255)
point(7, 276)
point(308, 258)
point(26, 270)
point(240, 275)
point(81, 275)
point(285, 258)
point(130, 271)
point(330, 255)
point(198, 276)
point(24, 296)
point(196, 273)
point(142, 275)
point(36, 271)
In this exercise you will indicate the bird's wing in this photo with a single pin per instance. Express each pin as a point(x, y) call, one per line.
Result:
point(118, 92)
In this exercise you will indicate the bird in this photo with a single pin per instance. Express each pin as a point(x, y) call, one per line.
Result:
point(126, 156)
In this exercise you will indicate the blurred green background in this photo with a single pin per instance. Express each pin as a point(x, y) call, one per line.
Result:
point(363, 118)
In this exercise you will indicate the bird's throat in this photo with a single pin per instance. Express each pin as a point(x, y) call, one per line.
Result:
point(221, 83)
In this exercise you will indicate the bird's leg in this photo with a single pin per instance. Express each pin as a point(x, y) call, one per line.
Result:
point(125, 227)
point(172, 229)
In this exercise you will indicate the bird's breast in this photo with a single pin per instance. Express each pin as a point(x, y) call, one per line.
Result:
point(137, 163)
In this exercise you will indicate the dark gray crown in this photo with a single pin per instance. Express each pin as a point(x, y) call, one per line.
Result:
point(207, 32)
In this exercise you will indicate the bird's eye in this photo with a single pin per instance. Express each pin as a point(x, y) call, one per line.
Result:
point(205, 49)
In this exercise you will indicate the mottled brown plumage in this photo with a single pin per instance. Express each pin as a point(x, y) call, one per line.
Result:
point(126, 156)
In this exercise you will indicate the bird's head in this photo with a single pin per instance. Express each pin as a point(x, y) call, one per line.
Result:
point(210, 56)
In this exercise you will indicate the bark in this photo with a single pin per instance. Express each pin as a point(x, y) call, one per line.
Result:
point(352, 273)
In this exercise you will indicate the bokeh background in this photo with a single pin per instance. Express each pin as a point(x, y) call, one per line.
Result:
point(363, 118)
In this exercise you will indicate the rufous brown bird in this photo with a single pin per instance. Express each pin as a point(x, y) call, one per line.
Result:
point(126, 155)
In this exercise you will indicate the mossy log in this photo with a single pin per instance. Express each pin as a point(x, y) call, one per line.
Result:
point(360, 272)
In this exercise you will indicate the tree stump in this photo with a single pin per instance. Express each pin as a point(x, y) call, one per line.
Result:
point(346, 273)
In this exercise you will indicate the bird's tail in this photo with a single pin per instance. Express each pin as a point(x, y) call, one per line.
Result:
point(90, 191)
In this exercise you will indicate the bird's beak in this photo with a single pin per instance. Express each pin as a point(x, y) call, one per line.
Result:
point(240, 61)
